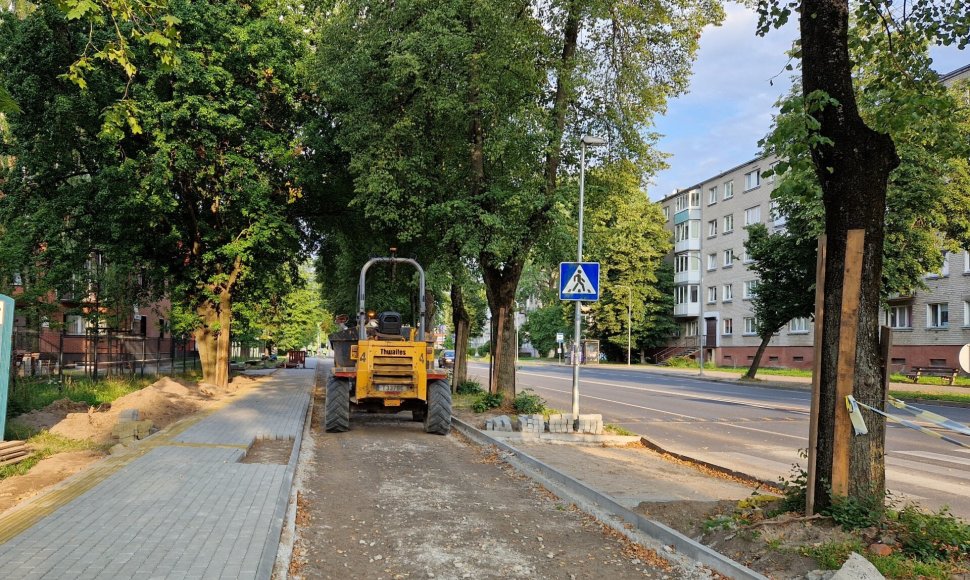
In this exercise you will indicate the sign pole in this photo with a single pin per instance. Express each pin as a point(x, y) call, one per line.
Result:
point(6, 355)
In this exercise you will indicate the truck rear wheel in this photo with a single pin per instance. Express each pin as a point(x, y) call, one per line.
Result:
point(438, 419)
point(337, 419)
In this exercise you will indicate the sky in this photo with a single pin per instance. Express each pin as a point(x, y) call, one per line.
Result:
point(738, 77)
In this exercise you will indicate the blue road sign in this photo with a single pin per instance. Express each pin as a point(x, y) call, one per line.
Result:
point(579, 281)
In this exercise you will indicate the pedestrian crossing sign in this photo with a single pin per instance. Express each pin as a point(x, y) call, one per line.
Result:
point(579, 281)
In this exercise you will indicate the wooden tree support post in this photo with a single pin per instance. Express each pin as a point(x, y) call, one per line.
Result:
point(816, 376)
point(848, 331)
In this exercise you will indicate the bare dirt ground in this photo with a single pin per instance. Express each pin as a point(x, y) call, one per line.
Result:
point(709, 511)
point(164, 402)
point(387, 500)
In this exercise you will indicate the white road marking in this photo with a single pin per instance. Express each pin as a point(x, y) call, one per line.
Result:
point(774, 433)
point(936, 456)
point(927, 467)
point(679, 394)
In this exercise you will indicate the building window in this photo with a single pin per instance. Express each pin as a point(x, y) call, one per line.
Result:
point(711, 294)
point(728, 294)
point(666, 213)
point(729, 223)
point(712, 261)
point(680, 203)
point(694, 294)
point(746, 257)
point(74, 324)
point(750, 288)
point(752, 215)
point(901, 316)
point(712, 228)
point(728, 325)
point(690, 329)
point(752, 179)
point(712, 195)
point(966, 262)
point(695, 198)
point(750, 325)
point(686, 262)
point(966, 313)
point(771, 168)
point(728, 257)
point(728, 189)
point(680, 294)
point(938, 315)
point(798, 325)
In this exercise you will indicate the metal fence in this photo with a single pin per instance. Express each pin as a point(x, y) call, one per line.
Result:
point(99, 353)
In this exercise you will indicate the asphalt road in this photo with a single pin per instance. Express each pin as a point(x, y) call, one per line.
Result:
point(755, 430)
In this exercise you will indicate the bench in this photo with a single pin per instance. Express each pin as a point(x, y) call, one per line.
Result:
point(943, 372)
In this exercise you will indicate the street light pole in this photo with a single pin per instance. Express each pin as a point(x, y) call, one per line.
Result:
point(629, 320)
point(700, 312)
point(584, 141)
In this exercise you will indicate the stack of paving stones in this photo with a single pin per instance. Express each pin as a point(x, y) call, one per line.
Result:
point(561, 423)
point(500, 423)
point(591, 424)
point(129, 427)
point(532, 423)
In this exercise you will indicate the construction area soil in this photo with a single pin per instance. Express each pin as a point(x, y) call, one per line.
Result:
point(164, 402)
point(723, 512)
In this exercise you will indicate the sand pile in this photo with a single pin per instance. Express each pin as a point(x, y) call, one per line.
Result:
point(163, 402)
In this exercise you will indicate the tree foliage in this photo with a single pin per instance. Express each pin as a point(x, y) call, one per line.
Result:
point(463, 115)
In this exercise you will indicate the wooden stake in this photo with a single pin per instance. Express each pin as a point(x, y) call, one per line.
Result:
point(848, 331)
point(816, 376)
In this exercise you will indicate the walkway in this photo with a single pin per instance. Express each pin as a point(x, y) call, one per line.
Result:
point(181, 505)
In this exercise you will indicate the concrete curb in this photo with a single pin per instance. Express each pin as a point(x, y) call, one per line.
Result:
point(668, 536)
point(267, 560)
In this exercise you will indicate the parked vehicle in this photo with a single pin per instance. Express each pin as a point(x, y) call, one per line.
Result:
point(447, 359)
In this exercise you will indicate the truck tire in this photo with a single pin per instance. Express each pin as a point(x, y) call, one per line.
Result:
point(337, 419)
point(438, 419)
point(419, 415)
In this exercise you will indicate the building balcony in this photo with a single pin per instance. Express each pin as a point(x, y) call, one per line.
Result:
point(688, 277)
point(688, 245)
point(691, 309)
point(682, 216)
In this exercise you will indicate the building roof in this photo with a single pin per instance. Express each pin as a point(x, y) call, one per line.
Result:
point(953, 76)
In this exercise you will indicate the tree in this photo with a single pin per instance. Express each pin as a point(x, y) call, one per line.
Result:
point(207, 178)
point(63, 207)
point(785, 264)
point(225, 130)
point(627, 236)
point(853, 163)
point(460, 117)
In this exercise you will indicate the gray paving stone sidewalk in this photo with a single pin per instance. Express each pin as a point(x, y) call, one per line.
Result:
point(186, 511)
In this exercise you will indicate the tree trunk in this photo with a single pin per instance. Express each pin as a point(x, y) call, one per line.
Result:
point(500, 286)
point(756, 363)
point(459, 315)
point(212, 339)
point(853, 173)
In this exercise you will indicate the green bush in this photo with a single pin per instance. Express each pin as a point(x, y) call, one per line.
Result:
point(528, 403)
point(680, 362)
point(469, 388)
point(29, 394)
point(487, 401)
point(856, 513)
point(930, 536)
point(794, 487)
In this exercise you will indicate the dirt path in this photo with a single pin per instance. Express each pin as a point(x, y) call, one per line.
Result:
point(388, 501)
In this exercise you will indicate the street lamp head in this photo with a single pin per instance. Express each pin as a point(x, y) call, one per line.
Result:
point(591, 140)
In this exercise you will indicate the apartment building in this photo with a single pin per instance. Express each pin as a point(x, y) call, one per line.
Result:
point(714, 286)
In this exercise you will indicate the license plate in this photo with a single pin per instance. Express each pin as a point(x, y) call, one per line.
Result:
point(392, 388)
